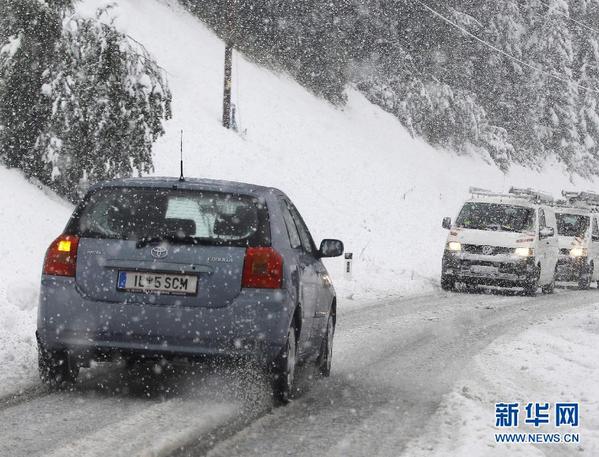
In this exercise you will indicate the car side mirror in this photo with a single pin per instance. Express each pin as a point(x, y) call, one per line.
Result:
point(546, 232)
point(446, 223)
point(331, 248)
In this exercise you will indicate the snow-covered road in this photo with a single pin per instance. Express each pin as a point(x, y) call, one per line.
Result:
point(394, 364)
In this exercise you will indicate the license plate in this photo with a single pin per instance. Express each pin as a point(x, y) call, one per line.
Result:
point(164, 283)
point(483, 270)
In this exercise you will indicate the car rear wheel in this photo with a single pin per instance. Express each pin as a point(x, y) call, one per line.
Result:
point(56, 368)
point(326, 349)
point(284, 375)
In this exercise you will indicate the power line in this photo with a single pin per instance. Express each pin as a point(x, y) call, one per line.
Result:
point(506, 54)
point(579, 23)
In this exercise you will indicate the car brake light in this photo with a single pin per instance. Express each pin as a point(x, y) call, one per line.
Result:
point(262, 269)
point(61, 257)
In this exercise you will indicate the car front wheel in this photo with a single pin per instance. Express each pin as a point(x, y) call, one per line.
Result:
point(284, 375)
point(326, 349)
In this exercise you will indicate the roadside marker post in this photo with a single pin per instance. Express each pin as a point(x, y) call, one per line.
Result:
point(347, 272)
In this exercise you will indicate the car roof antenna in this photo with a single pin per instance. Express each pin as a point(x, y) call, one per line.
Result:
point(181, 178)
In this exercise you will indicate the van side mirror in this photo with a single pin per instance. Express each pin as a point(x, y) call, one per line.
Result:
point(595, 237)
point(546, 232)
point(446, 223)
point(330, 248)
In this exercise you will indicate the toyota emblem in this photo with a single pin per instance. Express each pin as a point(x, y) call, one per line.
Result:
point(487, 250)
point(159, 252)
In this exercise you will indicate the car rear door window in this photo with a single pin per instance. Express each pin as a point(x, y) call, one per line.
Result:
point(304, 233)
point(294, 238)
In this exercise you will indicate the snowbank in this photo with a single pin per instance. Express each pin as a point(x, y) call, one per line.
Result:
point(29, 220)
point(552, 362)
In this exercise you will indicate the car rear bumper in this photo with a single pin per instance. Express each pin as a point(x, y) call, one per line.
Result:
point(255, 324)
point(500, 270)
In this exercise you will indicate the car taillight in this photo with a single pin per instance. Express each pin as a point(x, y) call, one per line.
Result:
point(262, 269)
point(61, 257)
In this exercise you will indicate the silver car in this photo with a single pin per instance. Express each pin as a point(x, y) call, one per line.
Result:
point(154, 268)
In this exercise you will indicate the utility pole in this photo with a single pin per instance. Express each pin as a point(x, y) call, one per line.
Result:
point(228, 68)
point(227, 86)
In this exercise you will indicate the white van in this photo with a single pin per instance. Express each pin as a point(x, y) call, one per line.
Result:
point(578, 234)
point(506, 240)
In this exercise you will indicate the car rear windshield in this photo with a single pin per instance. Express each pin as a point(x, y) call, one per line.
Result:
point(572, 224)
point(197, 217)
point(496, 216)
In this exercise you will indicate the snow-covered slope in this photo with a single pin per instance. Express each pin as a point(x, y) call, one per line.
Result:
point(354, 173)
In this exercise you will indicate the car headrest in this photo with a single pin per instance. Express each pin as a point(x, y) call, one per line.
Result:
point(182, 227)
point(118, 218)
point(238, 224)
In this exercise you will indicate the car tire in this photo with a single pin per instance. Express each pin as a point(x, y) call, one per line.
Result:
point(56, 368)
point(447, 283)
point(325, 357)
point(283, 381)
point(531, 288)
point(584, 282)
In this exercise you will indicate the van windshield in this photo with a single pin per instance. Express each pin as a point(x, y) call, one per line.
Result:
point(195, 217)
point(572, 224)
point(496, 217)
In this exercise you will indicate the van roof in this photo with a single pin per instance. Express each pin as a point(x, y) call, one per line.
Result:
point(505, 200)
point(190, 184)
point(564, 209)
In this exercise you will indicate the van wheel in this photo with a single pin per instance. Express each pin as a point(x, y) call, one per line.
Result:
point(326, 350)
point(284, 374)
point(532, 287)
point(550, 288)
point(56, 368)
point(447, 282)
point(584, 282)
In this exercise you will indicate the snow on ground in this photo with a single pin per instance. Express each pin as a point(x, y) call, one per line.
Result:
point(29, 220)
point(548, 363)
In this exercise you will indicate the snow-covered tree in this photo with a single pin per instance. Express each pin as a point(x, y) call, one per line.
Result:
point(29, 31)
point(552, 49)
point(108, 99)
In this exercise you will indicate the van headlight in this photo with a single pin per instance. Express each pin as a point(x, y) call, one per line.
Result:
point(578, 252)
point(454, 246)
point(524, 252)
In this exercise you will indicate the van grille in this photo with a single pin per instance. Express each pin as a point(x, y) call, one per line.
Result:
point(491, 250)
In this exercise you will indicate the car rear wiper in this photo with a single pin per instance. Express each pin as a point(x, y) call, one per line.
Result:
point(173, 238)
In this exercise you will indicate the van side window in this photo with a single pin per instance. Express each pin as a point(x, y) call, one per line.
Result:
point(294, 238)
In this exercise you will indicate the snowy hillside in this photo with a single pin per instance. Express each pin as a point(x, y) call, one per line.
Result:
point(354, 173)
